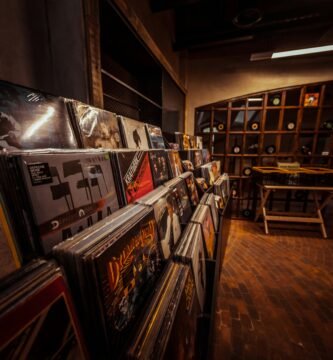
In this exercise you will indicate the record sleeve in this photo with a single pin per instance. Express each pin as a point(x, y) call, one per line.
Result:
point(166, 212)
point(135, 174)
point(183, 140)
point(202, 184)
point(191, 251)
point(191, 187)
point(211, 171)
point(9, 255)
point(159, 166)
point(199, 142)
point(180, 194)
point(39, 322)
point(187, 164)
point(209, 200)
point(205, 156)
point(30, 119)
point(134, 133)
point(127, 268)
point(155, 137)
point(197, 159)
point(98, 128)
point(169, 330)
point(68, 191)
point(203, 217)
point(222, 187)
point(175, 163)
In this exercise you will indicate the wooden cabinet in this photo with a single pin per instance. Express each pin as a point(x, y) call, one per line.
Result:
point(290, 124)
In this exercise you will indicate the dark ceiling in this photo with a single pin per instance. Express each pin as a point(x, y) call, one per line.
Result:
point(259, 23)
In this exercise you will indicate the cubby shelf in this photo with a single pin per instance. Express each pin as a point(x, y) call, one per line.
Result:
point(272, 111)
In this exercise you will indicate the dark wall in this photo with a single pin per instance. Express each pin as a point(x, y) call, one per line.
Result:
point(43, 46)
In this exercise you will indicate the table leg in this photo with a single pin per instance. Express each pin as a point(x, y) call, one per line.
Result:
point(263, 198)
point(318, 208)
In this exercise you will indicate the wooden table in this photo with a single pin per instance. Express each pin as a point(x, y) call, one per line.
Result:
point(316, 218)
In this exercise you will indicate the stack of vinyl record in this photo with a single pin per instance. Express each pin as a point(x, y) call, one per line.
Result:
point(222, 187)
point(180, 193)
point(112, 270)
point(209, 200)
point(56, 194)
point(167, 215)
point(191, 187)
point(211, 171)
point(191, 252)
point(134, 174)
point(37, 317)
point(203, 217)
point(169, 329)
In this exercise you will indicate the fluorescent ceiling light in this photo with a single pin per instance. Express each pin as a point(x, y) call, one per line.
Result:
point(312, 50)
point(254, 99)
point(283, 54)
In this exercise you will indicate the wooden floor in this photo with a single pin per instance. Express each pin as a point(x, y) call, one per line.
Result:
point(275, 296)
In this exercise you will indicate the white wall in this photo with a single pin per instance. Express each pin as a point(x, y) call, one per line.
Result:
point(212, 78)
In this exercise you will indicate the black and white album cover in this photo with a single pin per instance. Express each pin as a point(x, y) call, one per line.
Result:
point(134, 133)
point(159, 166)
point(68, 191)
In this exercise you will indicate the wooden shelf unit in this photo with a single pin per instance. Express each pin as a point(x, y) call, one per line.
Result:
point(237, 114)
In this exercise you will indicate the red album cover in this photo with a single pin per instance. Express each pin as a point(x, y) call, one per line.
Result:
point(42, 325)
point(135, 174)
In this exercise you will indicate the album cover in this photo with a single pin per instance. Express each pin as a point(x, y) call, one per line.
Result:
point(222, 187)
point(175, 163)
point(197, 159)
point(98, 128)
point(311, 99)
point(39, 321)
point(183, 140)
point(191, 187)
point(205, 156)
point(180, 194)
point(211, 171)
point(9, 255)
point(127, 267)
point(169, 329)
point(159, 166)
point(202, 184)
point(202, 216)
point(191, 251)
point(134, 133)
point(30, 119)
point(187, 164)
point(134, 173)
point(209, 200)
point(68, 191)
point(199, 142)
point(155, 137)
point(193, 141)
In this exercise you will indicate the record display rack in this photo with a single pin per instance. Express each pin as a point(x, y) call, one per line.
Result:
point(260, 129)
point(214, 269)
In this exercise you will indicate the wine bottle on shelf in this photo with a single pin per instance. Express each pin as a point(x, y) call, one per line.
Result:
point(328, 125)
point(254, 126)
point(275, 100)
point(247, 171)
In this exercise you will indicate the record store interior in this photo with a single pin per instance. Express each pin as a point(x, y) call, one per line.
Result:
point(166, 179)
